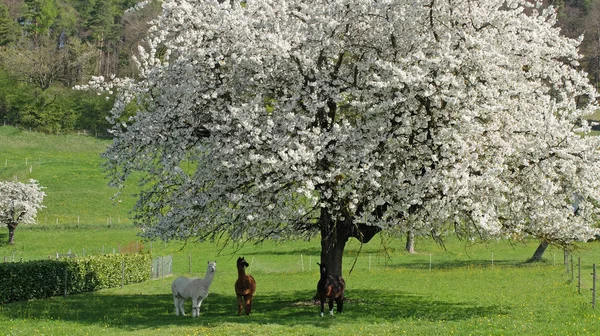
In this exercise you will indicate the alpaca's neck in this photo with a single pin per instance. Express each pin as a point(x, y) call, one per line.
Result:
point(241, 273)
point(208, 278)
point(203, 285)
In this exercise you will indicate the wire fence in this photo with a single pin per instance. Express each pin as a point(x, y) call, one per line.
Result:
point(161, 267)
point(104, 133)
point(165, 264)
point(18, 255)
point(584, 281)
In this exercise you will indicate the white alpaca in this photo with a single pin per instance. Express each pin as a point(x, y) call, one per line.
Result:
point(192, 288)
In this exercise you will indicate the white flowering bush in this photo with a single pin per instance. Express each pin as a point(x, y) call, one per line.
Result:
point(19, 204)
point(277, 118)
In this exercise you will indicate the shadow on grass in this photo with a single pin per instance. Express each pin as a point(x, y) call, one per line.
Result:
point(316, 251)
point(133, 312)
point(453, 264)
point(400, 305)
point(3, 239)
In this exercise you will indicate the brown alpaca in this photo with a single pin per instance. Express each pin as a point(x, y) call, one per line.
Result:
point(330, 288)
point(245, 286)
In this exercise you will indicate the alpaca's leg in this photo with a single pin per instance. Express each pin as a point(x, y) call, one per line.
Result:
point(195, 307)
point(240, 302)
point(322, 307)
point(248, 306)
point(198, 306)
point(340, 304)
point(181, 304)
point(176, 301)
point(330, 306)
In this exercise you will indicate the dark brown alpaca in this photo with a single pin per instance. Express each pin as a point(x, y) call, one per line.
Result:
point(245, 286)
point(330, 288)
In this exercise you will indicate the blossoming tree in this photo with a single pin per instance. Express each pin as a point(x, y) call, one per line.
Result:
point(19, 203)
point(283, 118)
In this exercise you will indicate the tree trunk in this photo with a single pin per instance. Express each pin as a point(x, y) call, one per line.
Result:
point(333, 241)
point(539, 252)
point(11, 233)
point(335, 235)
point(410, 242)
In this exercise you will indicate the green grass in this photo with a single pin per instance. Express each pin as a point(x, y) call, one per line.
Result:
point(68, 166)
point(463, 293)
point(468, 289)
point(594, 117)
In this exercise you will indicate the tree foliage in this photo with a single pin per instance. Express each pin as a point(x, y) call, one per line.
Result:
point(344, 118)
point(49, 46)
point(579, 18)
point(39, 16)
point(8, 28)
point(41, 64)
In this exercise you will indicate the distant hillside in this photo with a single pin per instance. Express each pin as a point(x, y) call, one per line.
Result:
point(69, 167)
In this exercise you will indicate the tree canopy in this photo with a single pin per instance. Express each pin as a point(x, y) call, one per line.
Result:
point(278, 119)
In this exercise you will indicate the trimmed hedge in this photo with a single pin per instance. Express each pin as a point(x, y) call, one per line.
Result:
point(45, 278)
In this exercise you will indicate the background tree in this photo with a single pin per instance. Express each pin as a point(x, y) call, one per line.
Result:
point(280, 119)
point(41, 64)
point(410, 242)
point(135, 27)
point(39, 17)
point(590, 28)
point(8, 28)
point(101, 24)
point(579, 18)
point(19, 203)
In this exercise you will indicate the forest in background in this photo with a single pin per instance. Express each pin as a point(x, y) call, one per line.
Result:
point(49, 46)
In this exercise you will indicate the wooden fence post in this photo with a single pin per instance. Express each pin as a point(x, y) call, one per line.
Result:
point(66, 274)
point(579, 275)
point(572, 271)
point(430, 262)
point(594, 287)
point(122, 273)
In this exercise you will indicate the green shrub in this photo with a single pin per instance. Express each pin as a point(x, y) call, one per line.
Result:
point(45, 278)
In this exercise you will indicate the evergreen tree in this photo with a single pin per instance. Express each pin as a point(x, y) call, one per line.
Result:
point(8, 28)
point(101, 21)
point(40, 16)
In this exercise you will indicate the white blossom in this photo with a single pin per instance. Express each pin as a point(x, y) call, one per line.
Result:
point(19, 203)
point(401, 114)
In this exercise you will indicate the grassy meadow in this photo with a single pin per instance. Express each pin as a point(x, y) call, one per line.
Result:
point(465, 289)
point(69, 167)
